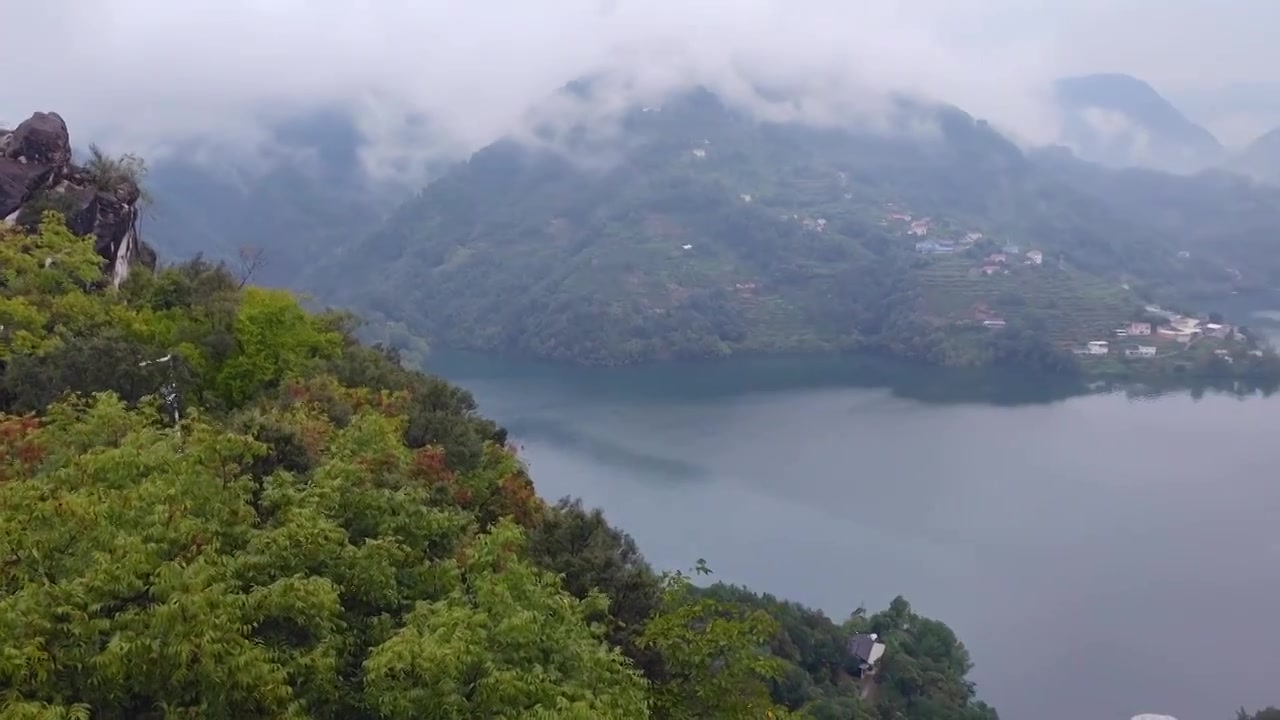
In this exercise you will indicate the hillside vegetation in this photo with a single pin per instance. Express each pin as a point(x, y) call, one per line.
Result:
point(215, 504)
point(699, 231)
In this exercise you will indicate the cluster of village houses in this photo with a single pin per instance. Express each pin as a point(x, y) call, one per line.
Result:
point(996, 263)
point(1179, 328)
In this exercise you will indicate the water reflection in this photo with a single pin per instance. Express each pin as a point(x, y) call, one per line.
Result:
point(710, 379)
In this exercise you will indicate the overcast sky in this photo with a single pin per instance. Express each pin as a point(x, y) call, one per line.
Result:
point(143, 72)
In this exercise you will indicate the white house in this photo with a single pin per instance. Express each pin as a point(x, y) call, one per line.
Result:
point(699, 153)
point(1035, 257)
point(1139, 328)
point(1140, 351)
point(1098, 347)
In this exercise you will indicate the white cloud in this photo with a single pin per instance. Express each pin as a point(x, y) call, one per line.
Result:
point(139, 74)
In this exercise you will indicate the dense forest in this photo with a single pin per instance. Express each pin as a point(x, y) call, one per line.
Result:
point(216, 504)
point(697, 230)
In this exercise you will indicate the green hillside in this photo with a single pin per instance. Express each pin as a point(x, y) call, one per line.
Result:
point(702, 232)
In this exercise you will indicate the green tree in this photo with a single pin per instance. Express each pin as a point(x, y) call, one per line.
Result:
point(593, 557)
point(49, 262)
point(715, 655)
point(275, 339)
point(505, 643)
point(922, 673)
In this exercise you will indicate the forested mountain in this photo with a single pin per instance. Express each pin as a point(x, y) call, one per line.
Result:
point(1228, 224)
point(216, 504)
point(1120, 120)
point(698, 230)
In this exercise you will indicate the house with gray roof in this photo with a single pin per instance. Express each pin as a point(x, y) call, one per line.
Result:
point(866, 649)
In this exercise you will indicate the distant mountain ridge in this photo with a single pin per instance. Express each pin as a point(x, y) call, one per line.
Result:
point(1117, 119)
point(714, 233)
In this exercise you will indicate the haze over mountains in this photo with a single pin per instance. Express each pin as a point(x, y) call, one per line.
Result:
point(311, 175)
point(312, 185)
point(996, 59)
point(1120, 120)
point(1111, 119)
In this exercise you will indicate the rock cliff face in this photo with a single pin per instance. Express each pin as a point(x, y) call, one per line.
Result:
point(36, 173)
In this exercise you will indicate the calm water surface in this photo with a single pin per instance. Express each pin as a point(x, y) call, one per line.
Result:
point(1100, 555)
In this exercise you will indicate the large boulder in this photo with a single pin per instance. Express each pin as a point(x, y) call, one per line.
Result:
point(80, 205)
point(41, 139)
point(115, 224)
point(18, 183)
point(36, 174)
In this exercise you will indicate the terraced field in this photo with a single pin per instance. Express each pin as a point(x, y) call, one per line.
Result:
point(1071, 306)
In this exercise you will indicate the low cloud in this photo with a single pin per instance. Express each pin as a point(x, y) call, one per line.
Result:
point(428, 81)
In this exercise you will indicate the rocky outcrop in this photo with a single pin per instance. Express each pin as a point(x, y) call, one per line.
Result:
point(36, 173)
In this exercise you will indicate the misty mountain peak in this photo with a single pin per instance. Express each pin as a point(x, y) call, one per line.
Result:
point(1118, 119)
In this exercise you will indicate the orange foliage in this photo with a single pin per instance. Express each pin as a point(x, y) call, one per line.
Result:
point(327, 392)
point(519, 500)
point(18, 449)
point(315, 434)
point(429, 466)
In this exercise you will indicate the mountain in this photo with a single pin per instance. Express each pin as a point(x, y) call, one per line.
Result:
point(216, 504)
point(305, 194)
point(707, 232)
point(1261, 158)
point(1120, 120)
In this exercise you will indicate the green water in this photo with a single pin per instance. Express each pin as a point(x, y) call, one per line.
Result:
point(1101, 555)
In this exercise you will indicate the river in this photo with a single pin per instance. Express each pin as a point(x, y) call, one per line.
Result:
point(1100, 555)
